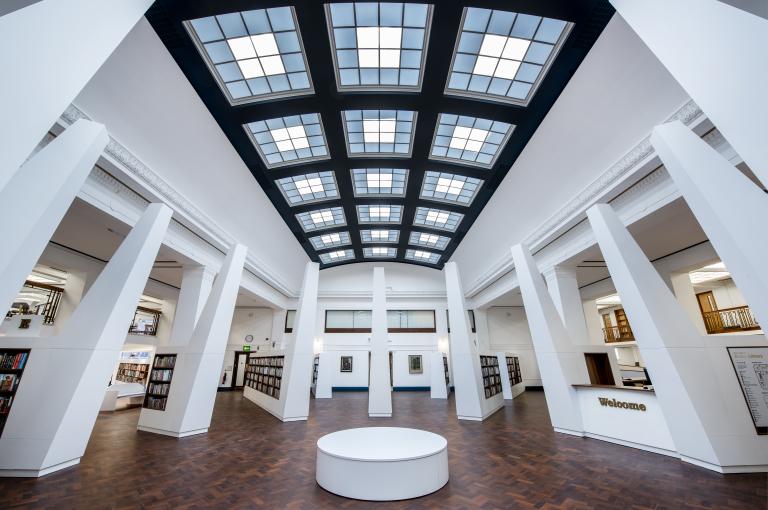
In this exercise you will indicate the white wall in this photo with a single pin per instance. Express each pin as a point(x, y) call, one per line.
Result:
point(246, 321)
point(727, 295)
point(401, 375)
point(508, 331)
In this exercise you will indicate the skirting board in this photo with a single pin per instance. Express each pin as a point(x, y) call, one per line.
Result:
point(470, 418)
point(37, 473)
point(171, 433)
point(380, 415)
point(630, 444)
point(569, 432)
point(411, 388)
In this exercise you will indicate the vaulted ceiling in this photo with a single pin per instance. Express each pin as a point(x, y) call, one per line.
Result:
point(379, 131)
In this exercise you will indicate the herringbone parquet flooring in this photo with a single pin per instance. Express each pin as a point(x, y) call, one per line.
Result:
point(250, 460)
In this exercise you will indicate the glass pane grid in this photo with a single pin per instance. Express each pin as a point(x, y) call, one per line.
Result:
point(446, 187)
point(379, 132)
point(379, 181)
point(379, 235)
point(437, 218)
point(307, 188)
point(379, 252)
point(422, 256)
point(336, 256)
point(321, 218)
point(330, 240)
point(379, 213)
point(428, 240)
point(289, 140)
point(503, 55)
point(379, 45)
point(254, 55)
point(469, 140)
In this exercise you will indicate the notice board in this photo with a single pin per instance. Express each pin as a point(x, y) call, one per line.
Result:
point(751, 366)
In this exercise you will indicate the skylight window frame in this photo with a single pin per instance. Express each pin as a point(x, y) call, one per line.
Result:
point(434, 258)
point(368, 252)
point(495, 98)
point(389, 221)
point(454, 218)
point(378, 88)
point(441, 174)
point(440, 245)
point(367, 238)
point(345, 239)
point(395, 172)
point(292, 162)
point(336, 212)
point(322, 174)
point(364, 154)
point(457, 161)
point(272, 96)
point(325, 258)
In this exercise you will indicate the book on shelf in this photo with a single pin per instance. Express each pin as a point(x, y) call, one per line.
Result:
point(13, 361)
point(8, 382)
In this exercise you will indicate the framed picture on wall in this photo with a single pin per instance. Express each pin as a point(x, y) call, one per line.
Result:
point(414, 364)
point(346, 363)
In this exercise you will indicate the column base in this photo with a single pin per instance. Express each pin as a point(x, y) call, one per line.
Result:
point(570, 432)
point(172, 433)
point(380, 415)
point(294, 418)
point(37, 473)
point(470, 418)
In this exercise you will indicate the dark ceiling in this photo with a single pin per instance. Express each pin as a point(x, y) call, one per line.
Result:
point(589, 18)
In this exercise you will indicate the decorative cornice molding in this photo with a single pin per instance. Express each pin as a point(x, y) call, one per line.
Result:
point(207, 227)
point(620, 171)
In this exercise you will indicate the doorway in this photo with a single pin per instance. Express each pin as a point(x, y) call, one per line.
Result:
point(238, 370)
point(599, 368)
point(708, 307)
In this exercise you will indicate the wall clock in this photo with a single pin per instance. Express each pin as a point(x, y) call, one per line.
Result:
point(248, 338)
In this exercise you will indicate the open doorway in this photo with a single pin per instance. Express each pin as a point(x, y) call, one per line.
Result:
point(238, 370)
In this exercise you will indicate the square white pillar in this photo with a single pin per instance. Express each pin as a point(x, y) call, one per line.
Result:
point(379, 388)
point(563, 287)
point(438, 383)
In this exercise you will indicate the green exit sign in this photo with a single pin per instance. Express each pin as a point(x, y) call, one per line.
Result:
point(246, 348)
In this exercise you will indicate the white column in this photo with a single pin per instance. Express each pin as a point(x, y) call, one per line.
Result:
point(563, 287)
point(481, 329)
point(717, 53)
point(297, 374)
point(560, 364)
point(65, 378)
point(467, 380)
point(325, 368)
point(728, 206)
point(438, 386)
point(278, 328)
point(35, 199)
point(594, 322)
point(683, 289)
point(379, 389)
point(706, 429)
point(195, 379)
point(52, 49)
point(196, 283)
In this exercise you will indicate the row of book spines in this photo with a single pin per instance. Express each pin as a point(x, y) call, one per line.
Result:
point(8, 382)
point(13, 361)
point(5, 404)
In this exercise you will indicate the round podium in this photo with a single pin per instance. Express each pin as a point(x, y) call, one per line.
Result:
point(382, 463)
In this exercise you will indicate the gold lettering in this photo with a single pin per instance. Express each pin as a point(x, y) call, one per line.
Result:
point(634, 406)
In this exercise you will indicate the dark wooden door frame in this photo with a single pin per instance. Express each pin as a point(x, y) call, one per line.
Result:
point(234, 369)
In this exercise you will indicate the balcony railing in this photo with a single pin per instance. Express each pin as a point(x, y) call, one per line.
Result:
point(727, 320)
point(618, 334)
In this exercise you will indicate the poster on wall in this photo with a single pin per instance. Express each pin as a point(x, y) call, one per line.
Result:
point(134, 357)
point(751, 366)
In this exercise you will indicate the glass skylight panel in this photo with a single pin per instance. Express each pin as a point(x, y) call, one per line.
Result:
point(379, 45)
point(307, 188)
point(469, 140)
point(321, 218)
point(336, 256)
point(289, 140)
point(379, 252)
point(379, 235)
point(429, 240)
point(254, 55)
point(422, 256)
point(379, 213)
point(503, 55)
point(379, 132)
point(330, 240)
point(446, 187)
point(437, 218)
point(379, 181)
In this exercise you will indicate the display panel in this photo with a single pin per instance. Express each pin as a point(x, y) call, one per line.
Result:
point(265, 374)
point(489, 365)
point(751, 366)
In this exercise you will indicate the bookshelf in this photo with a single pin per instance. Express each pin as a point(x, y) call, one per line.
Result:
point(132, 373)
point(513, 367)
point(265, 374)
point(315, 365)
point(12, 364)
point(491, 377)
point(445, 370)
point(160, 382)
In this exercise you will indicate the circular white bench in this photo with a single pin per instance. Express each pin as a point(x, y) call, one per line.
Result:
point(382, 463)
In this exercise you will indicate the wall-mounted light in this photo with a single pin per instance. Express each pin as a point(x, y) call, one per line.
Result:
point(318, 345)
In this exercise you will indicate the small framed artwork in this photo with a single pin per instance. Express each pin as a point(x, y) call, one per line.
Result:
point(346, 363)
point(414, 364)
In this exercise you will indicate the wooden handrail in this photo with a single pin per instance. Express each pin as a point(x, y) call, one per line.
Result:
point(737, 318)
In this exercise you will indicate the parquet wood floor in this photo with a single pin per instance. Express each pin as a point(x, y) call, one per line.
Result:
point(250, 460)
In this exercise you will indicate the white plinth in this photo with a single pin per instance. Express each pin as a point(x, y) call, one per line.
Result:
point(382, 463)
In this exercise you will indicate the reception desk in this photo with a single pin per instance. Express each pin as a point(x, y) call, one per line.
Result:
point(625, 415)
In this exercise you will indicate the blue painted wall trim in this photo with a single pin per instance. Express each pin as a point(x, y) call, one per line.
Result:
point(411, 388)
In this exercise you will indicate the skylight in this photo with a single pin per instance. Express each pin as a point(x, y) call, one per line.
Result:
point(336, 256)
point(503, 55)
point(379, 235)
point(429, 240)
point(379, 46)
point(289, 140)
point(437, 218)
point(422, 256)
point(330, 240)
point(308, 188)
point(254, 55)
point(379, 132)
point(454, 188)
point(379, 213)
point(379, 252)
point(469, 140)
point(379, 181)
point(321, 218)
